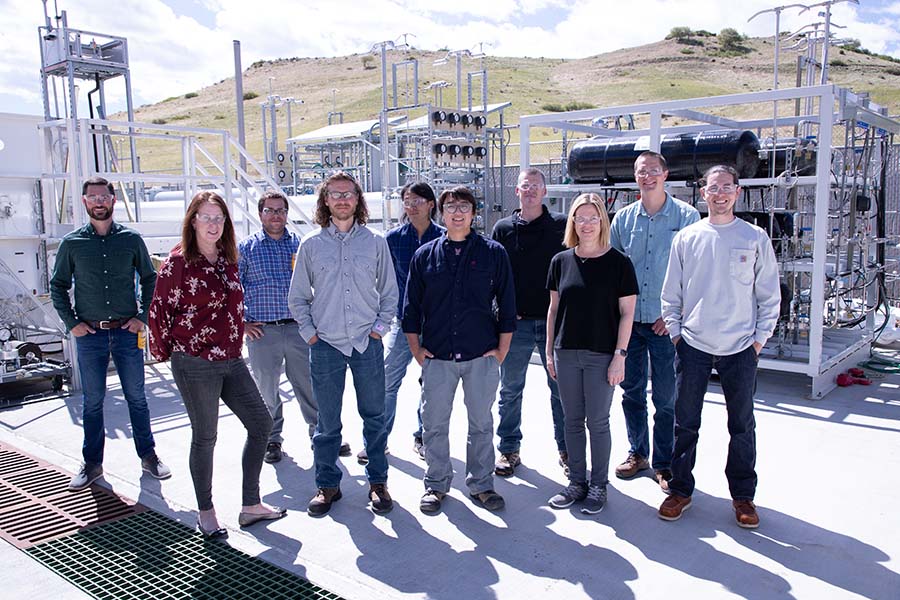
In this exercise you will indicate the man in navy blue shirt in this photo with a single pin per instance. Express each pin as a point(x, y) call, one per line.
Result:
point(453, 284)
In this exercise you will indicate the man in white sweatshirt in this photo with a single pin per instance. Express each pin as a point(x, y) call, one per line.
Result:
point(720, 303)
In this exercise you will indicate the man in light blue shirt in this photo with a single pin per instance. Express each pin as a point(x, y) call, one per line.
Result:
point(643, 231)
point(343, 295)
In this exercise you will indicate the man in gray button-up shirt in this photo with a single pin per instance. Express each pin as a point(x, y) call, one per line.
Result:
point(643, 232)
point(343, 295)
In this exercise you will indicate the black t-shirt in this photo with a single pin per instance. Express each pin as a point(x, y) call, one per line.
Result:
point(589, 290)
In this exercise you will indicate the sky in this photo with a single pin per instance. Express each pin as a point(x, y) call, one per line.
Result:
point(178, 46)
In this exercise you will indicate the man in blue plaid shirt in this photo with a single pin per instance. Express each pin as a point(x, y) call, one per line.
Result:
point(273, 340)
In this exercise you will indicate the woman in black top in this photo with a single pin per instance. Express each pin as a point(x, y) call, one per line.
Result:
point(592, 296)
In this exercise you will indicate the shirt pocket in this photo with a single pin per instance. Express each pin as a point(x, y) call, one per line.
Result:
point(741, 265)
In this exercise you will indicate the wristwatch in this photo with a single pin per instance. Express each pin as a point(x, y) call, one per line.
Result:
point(621, 352)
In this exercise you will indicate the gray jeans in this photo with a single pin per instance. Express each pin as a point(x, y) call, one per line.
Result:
point(480, 378)
point(202, 383)
point(586, 396)
point(282, 345)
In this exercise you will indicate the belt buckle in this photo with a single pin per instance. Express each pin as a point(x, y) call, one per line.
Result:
point(104, 324)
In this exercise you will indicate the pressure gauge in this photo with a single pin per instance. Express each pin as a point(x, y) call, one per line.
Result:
point(5, 333)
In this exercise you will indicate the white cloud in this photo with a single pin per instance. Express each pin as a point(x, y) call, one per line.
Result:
point(173, 53)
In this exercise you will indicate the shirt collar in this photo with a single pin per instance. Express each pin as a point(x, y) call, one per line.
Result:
point(666, 207)
point(114, 228)
point(334, 231)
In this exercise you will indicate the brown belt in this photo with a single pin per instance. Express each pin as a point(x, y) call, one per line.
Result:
point(111, 324)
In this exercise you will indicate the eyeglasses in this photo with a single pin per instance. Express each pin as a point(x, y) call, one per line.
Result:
point(342, 195)
point(654, 172)
point(416, 201)
point(281, 212)
point(99, 199)
point(527, 187)
point(461, 207)
point(210, 219)
point(720, 189)
point(585, 220)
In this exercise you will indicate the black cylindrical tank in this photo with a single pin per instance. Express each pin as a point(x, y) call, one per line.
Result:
point(611, 160)
point(795, 157)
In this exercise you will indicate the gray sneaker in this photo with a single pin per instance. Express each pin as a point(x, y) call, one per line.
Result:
point(595, 500)
point(573, 493)
point(155, 467)
point(88, 474)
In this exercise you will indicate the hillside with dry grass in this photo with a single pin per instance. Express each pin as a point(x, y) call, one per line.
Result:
point(665, 70)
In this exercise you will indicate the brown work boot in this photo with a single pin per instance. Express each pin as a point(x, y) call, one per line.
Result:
point(634, 464)
point(506, 464)
point(673, 506)
point(321, 502)
point(745, 514)
point(381, 500)
point(663, 477)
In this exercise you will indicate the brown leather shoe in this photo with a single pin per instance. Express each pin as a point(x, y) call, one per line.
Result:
point(745, 514)
point(321, 502)
point(672, 507)
point(507, 463)
point(381, 500)
point(663, 476)
point(634, 464)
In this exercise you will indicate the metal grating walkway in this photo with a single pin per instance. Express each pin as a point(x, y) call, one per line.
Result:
point(36, 505)
point(149, 556)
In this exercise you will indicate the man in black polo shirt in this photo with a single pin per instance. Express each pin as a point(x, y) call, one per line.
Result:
point(453, 284)
point(532, 236)
point(102, 257)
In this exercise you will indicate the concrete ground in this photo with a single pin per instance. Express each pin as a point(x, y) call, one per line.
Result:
point(827, 496)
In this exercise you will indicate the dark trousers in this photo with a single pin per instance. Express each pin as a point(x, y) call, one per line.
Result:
point(202, 383)
point(737, 375)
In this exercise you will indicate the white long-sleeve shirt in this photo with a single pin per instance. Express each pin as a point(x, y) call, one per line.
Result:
point(721, 292)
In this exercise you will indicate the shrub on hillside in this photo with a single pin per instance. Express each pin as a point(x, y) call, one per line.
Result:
point(679, 33)
point(729, 39)
point(250, 95)
point(190, 95)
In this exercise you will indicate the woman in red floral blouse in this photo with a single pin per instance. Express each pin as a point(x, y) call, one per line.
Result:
point(197, 320)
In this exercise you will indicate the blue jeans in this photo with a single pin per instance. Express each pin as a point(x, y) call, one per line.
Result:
point(396, 359)
point(94, 350)
point(644, 342)
point(529, 333)
point(328, 367)
point(737, 375)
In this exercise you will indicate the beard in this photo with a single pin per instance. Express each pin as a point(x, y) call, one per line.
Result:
point(101, 213)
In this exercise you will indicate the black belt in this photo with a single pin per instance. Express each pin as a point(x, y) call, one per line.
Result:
point(111, 324)
point(279, 322)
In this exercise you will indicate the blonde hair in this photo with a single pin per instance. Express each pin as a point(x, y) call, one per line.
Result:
point(571, 238)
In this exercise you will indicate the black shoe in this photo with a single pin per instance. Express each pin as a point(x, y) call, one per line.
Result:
point(381, 500)
point(273, 452)
point(431, 502)
point(220, 533)
point(321, 502)
point(345, 450)
point(362, 457)
point(155, 467)
point(419, 447)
